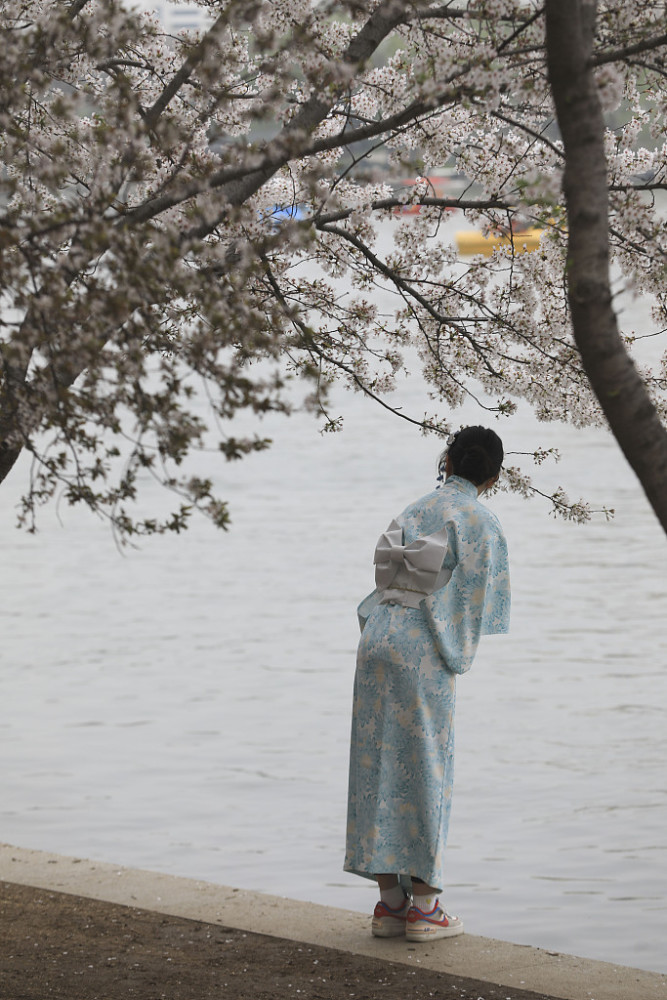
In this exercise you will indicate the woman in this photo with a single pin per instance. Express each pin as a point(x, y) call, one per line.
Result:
point(442, 581)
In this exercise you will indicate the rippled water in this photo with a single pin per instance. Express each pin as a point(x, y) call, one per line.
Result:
point(185, 707)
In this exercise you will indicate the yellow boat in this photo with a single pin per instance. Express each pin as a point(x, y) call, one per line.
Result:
point(473, 241)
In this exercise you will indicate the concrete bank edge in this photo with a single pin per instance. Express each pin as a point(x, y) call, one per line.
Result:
point(488, 959)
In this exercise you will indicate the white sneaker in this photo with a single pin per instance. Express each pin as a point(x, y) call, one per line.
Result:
point(388, 922)
point(421, 926)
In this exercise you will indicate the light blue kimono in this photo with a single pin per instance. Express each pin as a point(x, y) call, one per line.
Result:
point(402, 747)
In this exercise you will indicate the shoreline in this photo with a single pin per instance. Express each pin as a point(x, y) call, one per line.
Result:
point(499, 963)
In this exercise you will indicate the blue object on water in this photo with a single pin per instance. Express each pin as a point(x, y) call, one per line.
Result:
point(282, 212)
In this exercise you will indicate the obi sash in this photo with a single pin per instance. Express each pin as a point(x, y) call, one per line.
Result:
point(406, 574)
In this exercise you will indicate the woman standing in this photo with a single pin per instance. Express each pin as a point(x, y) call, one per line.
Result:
point(442, 581)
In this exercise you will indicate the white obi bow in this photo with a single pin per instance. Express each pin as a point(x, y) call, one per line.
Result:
point(422, 560)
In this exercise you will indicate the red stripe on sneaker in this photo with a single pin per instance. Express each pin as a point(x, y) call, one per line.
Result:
point(384, 910)
point(415, 915)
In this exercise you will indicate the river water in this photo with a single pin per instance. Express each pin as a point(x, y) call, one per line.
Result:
point(185, 706)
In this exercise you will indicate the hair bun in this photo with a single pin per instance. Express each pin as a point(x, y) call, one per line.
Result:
point(476, 454)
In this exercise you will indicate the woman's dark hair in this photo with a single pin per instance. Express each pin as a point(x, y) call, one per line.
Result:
point(476, 454)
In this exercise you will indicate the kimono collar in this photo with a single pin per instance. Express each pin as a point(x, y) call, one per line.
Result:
point(461, 484)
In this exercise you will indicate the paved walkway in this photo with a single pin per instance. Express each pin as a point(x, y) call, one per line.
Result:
point(80, 929)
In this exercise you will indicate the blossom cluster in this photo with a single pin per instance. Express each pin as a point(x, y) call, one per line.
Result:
point(231, 205)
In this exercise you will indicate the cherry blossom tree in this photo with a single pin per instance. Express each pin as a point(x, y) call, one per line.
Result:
point(216, 213)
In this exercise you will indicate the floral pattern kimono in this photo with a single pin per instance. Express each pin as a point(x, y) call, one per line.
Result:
point(443, 581)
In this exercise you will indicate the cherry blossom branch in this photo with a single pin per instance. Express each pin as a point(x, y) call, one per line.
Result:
point(194, 58)
point(76, 6)
point(405, 286)
point(616, 55)
point(523, 127)
point(389, 204)
point(309, 342)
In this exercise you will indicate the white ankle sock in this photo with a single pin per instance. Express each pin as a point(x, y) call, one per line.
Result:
point(393, 897)
point(426, 903)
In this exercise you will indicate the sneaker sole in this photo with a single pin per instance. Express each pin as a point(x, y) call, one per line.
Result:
point(388, 930)
point(432, 933)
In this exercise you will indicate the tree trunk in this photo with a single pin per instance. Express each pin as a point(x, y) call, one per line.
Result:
point(8, 457)
point(632, 417)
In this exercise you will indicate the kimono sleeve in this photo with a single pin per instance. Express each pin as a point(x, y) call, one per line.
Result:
point(475, 601)
point(366, 607)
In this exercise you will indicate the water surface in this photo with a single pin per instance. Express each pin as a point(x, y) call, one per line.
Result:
point(185, 707)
